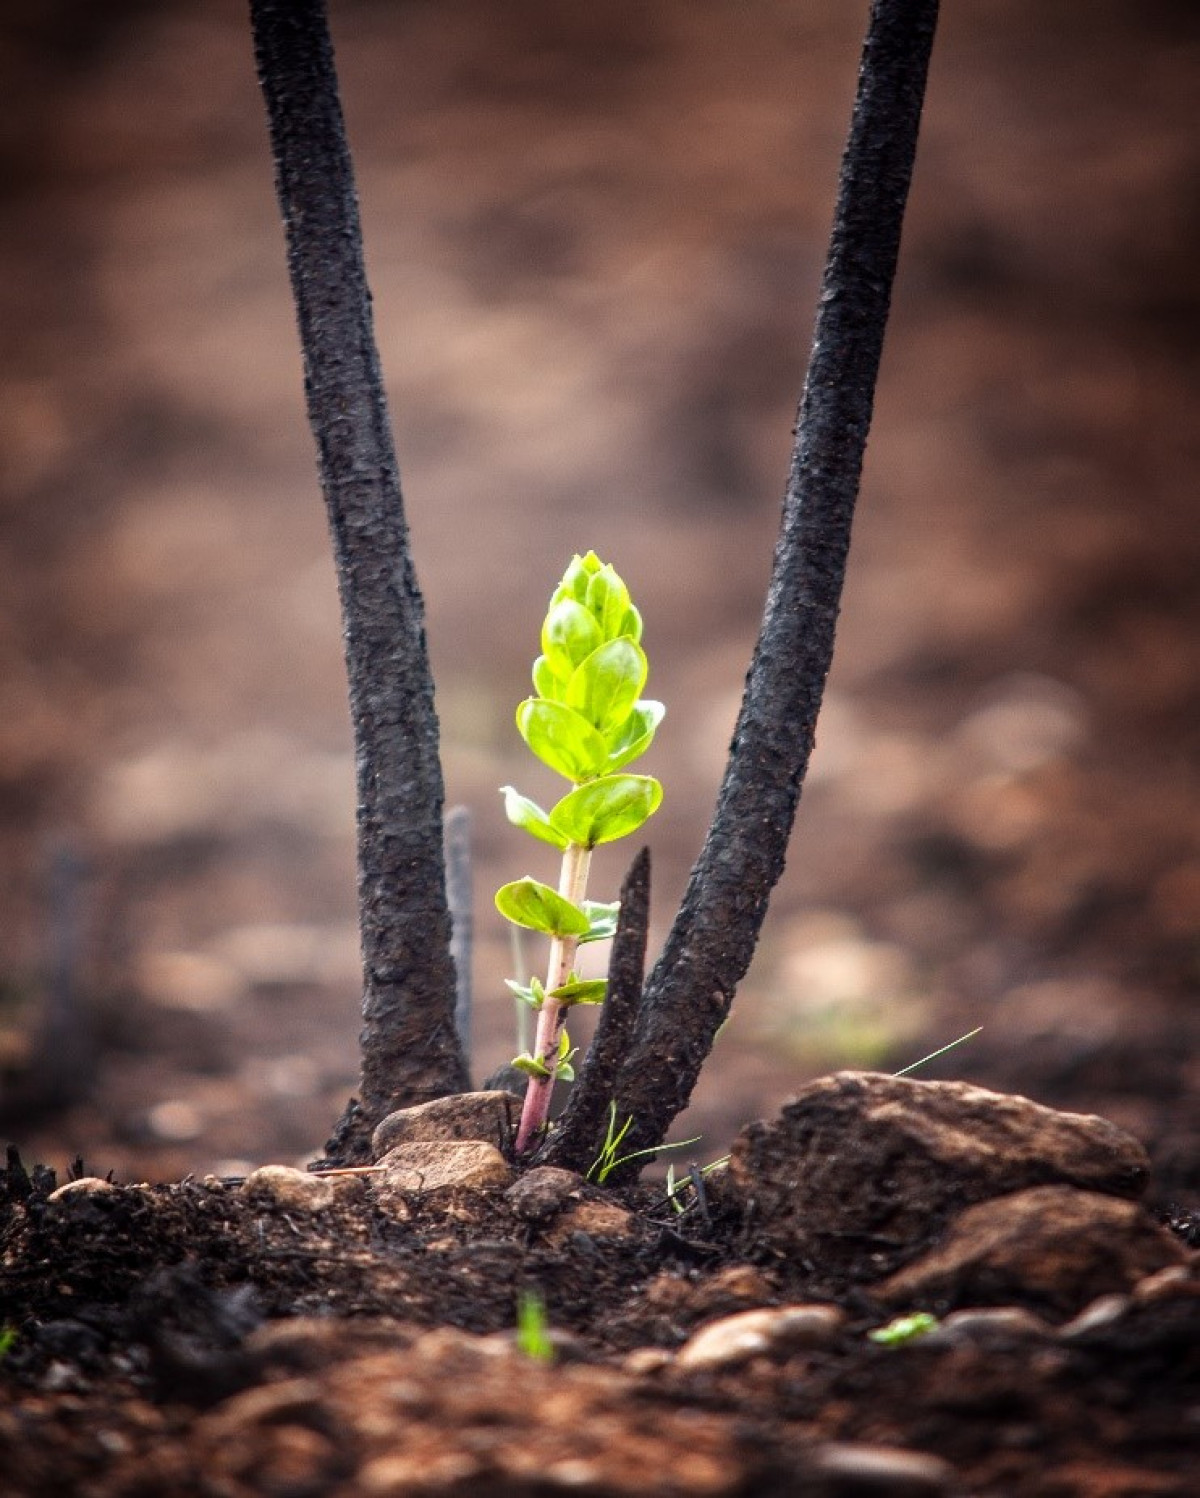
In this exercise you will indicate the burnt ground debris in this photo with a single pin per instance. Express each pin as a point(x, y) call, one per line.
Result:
point(227, 1337)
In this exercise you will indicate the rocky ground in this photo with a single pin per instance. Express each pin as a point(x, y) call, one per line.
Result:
point(896, 1287)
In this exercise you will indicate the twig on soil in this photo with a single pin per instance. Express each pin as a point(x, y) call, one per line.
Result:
point(690, 990)
point(410, 1049)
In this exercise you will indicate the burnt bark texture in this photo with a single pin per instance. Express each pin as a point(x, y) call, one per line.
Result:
point(576, 1142)
point(691, 988)
point(410, 1050)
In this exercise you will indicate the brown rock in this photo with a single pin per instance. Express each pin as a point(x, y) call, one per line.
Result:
point(490, 1116)
point(596, 1219)
point(443, 1165)
point(543, 1192)
point(1055, 1246)
point(860, 1159)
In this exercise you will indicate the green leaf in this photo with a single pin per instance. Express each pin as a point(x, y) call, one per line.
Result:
point(603, 810)
point(604, 687)
point(569, 633)
point(635, 735)
point(631, 625)
point(602, 920)
point(608, 600)
point(522, 812)
point(563, 1071)
point(562, 739)
point(537, 907)
point(547, 682)
point(576, 578)
point(530, 1065)
point(532, 994)
point(580, 991)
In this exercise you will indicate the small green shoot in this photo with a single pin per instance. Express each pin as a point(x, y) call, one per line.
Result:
point(941, 1051)
point(609, 1158)
point(8, 1338)
point(676, 1189)
point(533, 1327)
point(587, 721)
point(905, 1329)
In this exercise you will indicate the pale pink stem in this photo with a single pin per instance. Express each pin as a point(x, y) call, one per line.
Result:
point(552, 1014)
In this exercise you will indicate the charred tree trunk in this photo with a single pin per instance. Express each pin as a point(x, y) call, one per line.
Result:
point(410, 1051)
point(710, 945)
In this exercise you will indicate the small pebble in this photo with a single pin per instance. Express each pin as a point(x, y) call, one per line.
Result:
point(860, 1469)
point(299, 1190)
point(1102, 1312)
point(595, 1219)
point(543, 1192)
point(1165, 1284)
point(987, 1323)
point(735, 1339)
point(85, 1186)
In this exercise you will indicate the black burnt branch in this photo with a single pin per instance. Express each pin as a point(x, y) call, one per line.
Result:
point(712, 940)
point(410, 1051)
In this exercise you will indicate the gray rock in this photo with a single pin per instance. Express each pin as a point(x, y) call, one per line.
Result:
point(490, 1116)
point(863, 1159)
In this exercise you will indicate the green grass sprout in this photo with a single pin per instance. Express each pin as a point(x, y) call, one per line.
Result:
point(610, 1158)
point(905, 1329)
point(533, 1327)
point(941, 1051)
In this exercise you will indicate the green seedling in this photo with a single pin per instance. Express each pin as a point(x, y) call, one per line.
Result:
point(676, 1188)
point(587, 721)
point(610, 1158)
point(905, 1329)
point(533, 1327)
point(8, 1338)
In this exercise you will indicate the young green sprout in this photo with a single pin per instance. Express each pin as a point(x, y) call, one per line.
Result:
point(587, 721)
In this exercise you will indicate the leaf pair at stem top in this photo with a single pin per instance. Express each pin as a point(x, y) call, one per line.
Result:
point(587, 720)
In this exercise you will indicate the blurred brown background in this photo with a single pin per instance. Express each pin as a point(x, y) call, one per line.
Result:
point(594, 235)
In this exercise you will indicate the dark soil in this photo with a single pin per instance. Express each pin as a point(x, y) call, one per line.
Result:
point(197, 1339)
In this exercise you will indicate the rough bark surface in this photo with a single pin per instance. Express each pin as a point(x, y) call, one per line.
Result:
point(410, 1051)
point(576, 1142)
point(712, 940)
